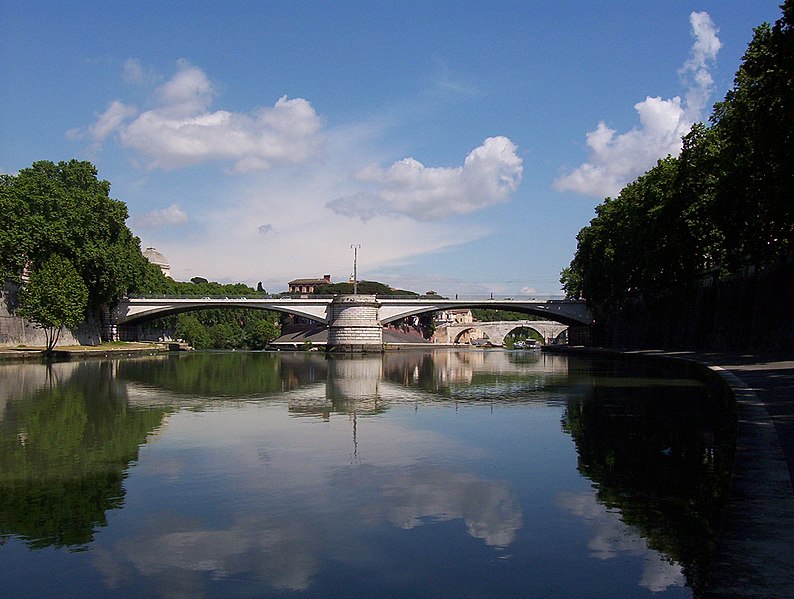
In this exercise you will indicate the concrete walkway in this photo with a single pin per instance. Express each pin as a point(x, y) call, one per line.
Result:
point(755, 548)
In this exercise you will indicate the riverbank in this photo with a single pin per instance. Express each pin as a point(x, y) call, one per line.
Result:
point(122, 348)
point(755, 548)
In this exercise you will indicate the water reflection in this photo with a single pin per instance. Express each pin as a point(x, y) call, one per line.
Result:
point(417, 494)
point(66, 439)
point(660, 455)
point(612, 537)
point(277, 469)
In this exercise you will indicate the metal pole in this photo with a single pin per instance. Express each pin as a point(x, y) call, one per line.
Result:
point(355, 247)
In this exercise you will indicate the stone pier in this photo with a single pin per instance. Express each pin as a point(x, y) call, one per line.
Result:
point(354, 325)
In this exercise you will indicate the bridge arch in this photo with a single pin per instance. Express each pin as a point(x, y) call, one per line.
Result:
point(382, 310)
point(567, 312)
point(141, 310)
point(496, 331)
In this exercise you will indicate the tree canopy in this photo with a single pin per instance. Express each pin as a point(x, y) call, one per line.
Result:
point(724, 202)
point(217, 328)
point(64, 209)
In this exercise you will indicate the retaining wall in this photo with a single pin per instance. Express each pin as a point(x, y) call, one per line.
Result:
point(15, 330)
point(752, 311)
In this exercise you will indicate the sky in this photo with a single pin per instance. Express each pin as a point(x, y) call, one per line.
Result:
point(462, 145)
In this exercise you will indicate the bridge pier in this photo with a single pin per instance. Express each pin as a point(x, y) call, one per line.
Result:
point(354, 325)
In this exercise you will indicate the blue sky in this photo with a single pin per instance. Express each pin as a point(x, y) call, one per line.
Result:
point(462, 144)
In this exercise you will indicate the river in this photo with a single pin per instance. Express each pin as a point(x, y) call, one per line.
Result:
point(413, 474)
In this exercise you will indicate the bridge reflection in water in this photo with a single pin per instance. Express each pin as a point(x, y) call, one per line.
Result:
point(268, 470)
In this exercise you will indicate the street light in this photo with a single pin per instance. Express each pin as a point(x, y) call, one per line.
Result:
point(355, 247)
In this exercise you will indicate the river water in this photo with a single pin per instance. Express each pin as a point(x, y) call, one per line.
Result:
point(414, 474)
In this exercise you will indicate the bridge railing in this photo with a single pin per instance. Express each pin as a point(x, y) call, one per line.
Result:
point(276, 296)
point(252, 296)
point(478, 297)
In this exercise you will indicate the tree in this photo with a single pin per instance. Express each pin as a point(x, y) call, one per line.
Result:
point(571, 281)
point(260, 333)
point(64, 209)
point(54, 297)
point(756, 134)
point(194, 332)
point(724, 202)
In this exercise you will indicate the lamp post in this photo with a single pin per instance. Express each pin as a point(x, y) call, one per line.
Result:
point(355, 247)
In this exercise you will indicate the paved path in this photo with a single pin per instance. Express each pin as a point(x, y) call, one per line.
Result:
point(755, 549)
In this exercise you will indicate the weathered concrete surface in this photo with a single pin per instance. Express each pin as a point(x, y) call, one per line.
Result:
point(754, 556)
point(15, 330)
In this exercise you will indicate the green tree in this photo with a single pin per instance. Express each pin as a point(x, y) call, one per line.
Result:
point(227, 335)
point(54, 297)
point(64, 209)
point(193, 331)
point(571, 281)
point(756, 134)
point(724, 202)
point(260, 333)
point(365, 287)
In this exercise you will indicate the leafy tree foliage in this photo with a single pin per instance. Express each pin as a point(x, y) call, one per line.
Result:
point(259, 333)
point(217, 328)
point(487, 315)
point(725, 202)
point(54, 297)
point(755, 131)
point(365, 287)
point(64, 209)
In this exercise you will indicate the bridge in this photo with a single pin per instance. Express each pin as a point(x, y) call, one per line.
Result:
point(355, 321)
point(497, 331)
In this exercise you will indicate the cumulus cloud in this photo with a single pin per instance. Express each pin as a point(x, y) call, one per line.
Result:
point(615, 159)
point(173, 215)
point(489, 175)
point(181, 130)
point(106, 123)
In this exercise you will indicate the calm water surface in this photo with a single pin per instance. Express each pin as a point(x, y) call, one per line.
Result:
point(414, 474)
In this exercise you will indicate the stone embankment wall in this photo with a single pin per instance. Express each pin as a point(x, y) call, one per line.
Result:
point(752, 311)
point(15, 330)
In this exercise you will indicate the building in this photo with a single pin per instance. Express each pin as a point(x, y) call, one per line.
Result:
point(308, 285)
point(453, 316)
point(155, 257)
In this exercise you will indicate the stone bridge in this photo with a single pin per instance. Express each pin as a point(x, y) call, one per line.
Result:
point(354, 321)
point(498, 330)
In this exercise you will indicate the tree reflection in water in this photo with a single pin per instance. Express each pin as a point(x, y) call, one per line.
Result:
point(660, 455)
point(64, 451)
point(395, 465)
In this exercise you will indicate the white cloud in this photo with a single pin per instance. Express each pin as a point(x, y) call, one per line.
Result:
point(137, 74)
point(696, 68)
point(110, 120)
point(305, 238)
point(106, 123)
point(489, 175)
point(181, 130)
point(615, 159)
point(275, 224)
point(173, 215)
